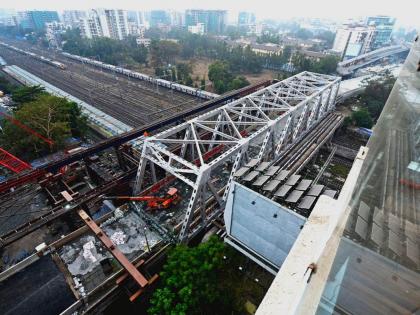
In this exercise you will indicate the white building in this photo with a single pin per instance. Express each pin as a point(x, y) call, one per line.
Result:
point(353, 40)
point(71, 18)
point(117, 23)
point(199, 28)
point(105, 23)
point(143, 41)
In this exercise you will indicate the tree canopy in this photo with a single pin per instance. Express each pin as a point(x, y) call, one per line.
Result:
point(52, 117)
point(376, 94)
point(223, 79)
point(362, 118)
point(27, 94)
point(105, 49)
point(190, 283)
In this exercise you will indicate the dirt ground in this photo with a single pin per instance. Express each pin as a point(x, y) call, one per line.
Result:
point(200, 70)
point(264, 75)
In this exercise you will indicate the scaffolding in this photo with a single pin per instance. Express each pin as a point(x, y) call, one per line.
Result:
point(259, 126)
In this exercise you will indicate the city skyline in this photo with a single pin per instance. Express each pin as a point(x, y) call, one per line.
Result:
point(264, 10)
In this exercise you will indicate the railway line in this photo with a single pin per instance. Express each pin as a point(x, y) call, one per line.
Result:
point(132, 102)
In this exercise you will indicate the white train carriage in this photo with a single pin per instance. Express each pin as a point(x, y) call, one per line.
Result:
point(144, 77)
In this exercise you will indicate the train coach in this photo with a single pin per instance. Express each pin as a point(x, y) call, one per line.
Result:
point(144, 77)
point(36, 56)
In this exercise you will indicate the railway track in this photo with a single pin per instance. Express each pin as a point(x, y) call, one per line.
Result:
point(296, 156)
point(134, 103)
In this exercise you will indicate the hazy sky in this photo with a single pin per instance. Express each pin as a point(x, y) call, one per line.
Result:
point(406, 11)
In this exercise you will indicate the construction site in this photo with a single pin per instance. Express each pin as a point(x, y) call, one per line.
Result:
point(82, 236)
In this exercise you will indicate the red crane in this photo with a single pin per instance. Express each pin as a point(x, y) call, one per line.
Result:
point(12, 162)
point(153, 202)
point(27, 129)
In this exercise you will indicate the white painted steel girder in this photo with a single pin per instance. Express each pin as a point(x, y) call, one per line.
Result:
point(268, 120)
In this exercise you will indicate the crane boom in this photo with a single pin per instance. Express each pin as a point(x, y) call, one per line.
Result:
point(27, 129)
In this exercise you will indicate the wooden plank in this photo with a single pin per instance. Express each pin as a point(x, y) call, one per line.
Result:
point(125, 275)
point(118, 255)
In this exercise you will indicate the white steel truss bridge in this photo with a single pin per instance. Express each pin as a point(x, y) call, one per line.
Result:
point(261, 126)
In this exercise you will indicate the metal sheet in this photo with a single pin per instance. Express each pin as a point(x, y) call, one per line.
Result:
point(377, 235)
point(361, 227)
point(282, 191)
point(294, 196)
point(315, 190)
point(282, 175)
point(272, 170)
point(251, 176)
point(261, 225)
point(364, 211)
point(271, 185)
point(293, 180)
point(307, 202)
point(263, 166)
point(304, 184)
point(330, 193)
point(252, 163)
point(261, 180)
point(394, 243)
point(241, 172)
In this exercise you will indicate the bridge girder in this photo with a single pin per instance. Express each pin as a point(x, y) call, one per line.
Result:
point(260, 125)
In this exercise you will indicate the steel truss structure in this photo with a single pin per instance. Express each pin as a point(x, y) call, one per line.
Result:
point(261, 125)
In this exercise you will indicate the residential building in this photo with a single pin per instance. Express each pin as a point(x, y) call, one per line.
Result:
point(71, 18)
point(352, 40)
point(95, 25)
point(7, 17)
point(246, 18)
point(159, 18)
point(105, 23)
point(53, 33)
point(384, 26)
point(255, 29)
point(36, 19)
point(117, 23)
point(199, 28)
point(214, 20)
point(266, 49)
point(143, 41)
point(177, 19)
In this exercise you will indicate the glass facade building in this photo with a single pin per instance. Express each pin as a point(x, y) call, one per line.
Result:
point(376, 269)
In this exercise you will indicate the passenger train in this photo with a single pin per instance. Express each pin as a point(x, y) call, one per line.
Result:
point(33, 55)
point(144, 77)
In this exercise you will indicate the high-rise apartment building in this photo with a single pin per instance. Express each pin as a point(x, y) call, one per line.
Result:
point(71, 18)
point(213, 20)
point(246, 18)
point(384, 26)
point(159, 18)
point(105, 23)
point(36, 19)
point(352, 40)
point(117, 23)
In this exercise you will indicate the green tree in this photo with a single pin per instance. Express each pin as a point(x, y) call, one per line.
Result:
point(5, 85)
point(375, 95)
point(220, 76)
point(27, 94)
point(238, 82)
point(183, 71)
point(203, 84)
point(362, 118)
point(52, 117)
point(189, 282)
